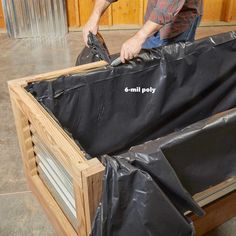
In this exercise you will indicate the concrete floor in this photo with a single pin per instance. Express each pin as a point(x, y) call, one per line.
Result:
point(20, 214)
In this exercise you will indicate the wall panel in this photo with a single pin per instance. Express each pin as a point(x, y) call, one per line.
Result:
point(127, 12)
point(234, 10)
point(2, 24)
point(72, 15)
point(213, 10)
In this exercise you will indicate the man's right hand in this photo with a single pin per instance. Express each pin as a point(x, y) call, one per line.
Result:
point(91, 26)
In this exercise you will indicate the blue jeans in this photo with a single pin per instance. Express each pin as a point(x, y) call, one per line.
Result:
point(188, 35)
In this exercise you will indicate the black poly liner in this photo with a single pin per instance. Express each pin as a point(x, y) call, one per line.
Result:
point(148, 189)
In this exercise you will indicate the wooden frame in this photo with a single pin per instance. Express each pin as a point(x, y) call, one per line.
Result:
point(31, 117)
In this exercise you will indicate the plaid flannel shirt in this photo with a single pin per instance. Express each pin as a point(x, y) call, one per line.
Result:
point(175, 16)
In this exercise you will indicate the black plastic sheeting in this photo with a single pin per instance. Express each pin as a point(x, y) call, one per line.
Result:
point(96, 51)
point(142, 194)
point(192, 81)
point(148, 187)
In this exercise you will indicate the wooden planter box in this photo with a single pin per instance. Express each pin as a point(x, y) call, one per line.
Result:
point(69, 186)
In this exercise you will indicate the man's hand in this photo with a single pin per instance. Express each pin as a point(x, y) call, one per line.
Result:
point(91, 26)
point(132, 47)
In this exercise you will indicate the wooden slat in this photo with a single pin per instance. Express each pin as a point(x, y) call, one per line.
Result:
point(80, 208)
point(213, 13)
point(92, 187)
point(227, 10)
point(54, 74)
point(234, 11)
point(126, 12)
point(85, 10)
point(217, 213)
point(24, 139)
point(73, 13)
point(232, 8)
point(2, 23)
point(215, 192)
point(141, 12)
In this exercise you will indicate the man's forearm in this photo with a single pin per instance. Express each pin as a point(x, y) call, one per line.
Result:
point(92, 24)
point(99, 8)
point(148, 29)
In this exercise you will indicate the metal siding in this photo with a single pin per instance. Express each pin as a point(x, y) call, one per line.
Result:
point(34, 18)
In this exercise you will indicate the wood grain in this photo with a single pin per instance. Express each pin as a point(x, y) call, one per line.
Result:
point(213, 13)
point(234, 11)
point(2, 23)
point(24, 139)
point(80, 208)
point(22, 82)
point(127, 12)
point(73, 19)
point(217, 213)
point(92, 186)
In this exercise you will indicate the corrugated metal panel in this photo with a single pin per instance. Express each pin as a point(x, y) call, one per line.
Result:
point(35, 18)
point(57, 179)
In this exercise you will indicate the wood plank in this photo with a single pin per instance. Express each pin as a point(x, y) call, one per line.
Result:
point(2, 22)
point(126, 12)
point(234, 10)
point(54, 74)
point(92, 187)
point(217, 213)
point(80, 208)
point(24, 139)
point(145, 5)
point(142, 12)
point(213, 13)
point(85, 10)
point(227, 10)
point(215, 192)
point(73, 13)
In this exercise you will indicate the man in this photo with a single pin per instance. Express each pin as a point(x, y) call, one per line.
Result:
point(166, 22)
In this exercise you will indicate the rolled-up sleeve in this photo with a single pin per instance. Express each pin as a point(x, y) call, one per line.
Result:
point(165, 11)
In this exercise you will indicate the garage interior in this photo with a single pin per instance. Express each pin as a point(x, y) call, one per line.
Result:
point(20, 213)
